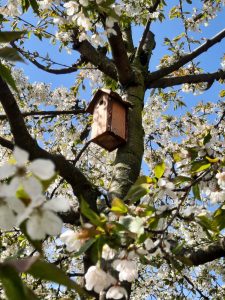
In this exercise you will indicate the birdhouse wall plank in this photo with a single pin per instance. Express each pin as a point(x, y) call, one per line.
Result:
point(100, 117)
point(118, 120)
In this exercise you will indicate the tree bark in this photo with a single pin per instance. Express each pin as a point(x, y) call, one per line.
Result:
point(129, 157)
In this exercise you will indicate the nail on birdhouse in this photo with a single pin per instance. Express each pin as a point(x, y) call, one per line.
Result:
point(109, 127)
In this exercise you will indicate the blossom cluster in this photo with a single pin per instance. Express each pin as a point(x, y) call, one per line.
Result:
point(22, 198)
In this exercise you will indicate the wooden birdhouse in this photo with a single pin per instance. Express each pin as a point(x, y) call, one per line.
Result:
point(109, 127)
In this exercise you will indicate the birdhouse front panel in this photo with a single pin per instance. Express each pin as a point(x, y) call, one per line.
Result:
point(118, 119)
point(100, 116)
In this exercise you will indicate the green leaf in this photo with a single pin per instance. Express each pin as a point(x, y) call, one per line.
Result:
point(33, 3)
point(177, 157)
point(47, 271)
point(178, 248)
point(219, 217)
point(90, 214)
point(208, 224)
point(212, 160)
point(137, 192)
point(199, 166)
point(10, 54)
point(207, 138)
point(25, 5)
point(181, 179)
point(196, 191)
point(134, 225)
point(153, 222)
point(159, 170)
point(222, 93)
point(9, 36)
point(118, 206)
point(35, 6)
point(6, 75)
point(149, 211)
point(85, 247)
point(139, 189)
point(12, 283)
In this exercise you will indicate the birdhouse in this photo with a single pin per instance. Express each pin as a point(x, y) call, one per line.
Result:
point(109, 127)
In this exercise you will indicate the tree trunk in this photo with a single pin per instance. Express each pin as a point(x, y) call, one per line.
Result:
point(129, 157)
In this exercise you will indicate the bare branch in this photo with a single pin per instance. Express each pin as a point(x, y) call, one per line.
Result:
point(194, 287)
point(81, 152)
point(50, 113)
point(187, 58)
point(67, 70)
point(172, 81)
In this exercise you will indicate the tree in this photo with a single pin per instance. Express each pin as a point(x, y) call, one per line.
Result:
point(130, 235)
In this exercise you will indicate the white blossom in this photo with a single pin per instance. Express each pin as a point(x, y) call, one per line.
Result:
point(127, 269)
point(72, 240)
point(42, 223)
point(116, 292)
point(108, 253)
point(221, 180)
point(97, 279)
point(71, 7)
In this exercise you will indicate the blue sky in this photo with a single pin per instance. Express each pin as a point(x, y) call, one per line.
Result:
point(210, 61)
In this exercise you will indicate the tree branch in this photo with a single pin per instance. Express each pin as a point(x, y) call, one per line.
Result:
point(96, 58)
point(120, 57)
point(50, 113)
point(172, 81)
point(147, 27)
point(80, 184)
point(206, 253)
point(187, 58)
point(127, 37)
point(68, 70)
point(6, 143)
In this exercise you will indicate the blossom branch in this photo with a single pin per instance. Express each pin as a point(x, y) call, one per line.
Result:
point(50, 113)
point(95, 57)
point(80, 184)
point(187, 58)
point(172, 81)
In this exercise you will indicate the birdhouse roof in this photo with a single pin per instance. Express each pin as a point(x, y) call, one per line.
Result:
point(97, 95)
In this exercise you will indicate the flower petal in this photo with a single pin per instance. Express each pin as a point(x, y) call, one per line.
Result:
point(42, 168)
point(21, 156)
point(59, 204)
point(51, 223)
point(32, 187)
point(34, 227)
point(116, 292)
point(7, 218)
point(7, 171)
